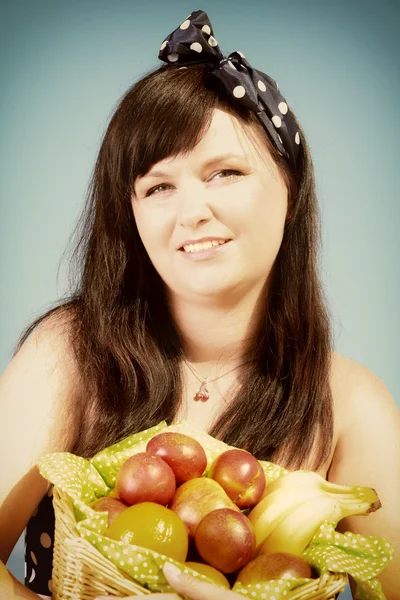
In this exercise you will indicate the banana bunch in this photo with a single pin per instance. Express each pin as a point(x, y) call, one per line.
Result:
point(294, 506)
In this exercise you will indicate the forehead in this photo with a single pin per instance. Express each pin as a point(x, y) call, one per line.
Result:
point(225, 135)
point(225, 132)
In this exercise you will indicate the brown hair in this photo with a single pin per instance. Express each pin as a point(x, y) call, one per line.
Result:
point(122, 333)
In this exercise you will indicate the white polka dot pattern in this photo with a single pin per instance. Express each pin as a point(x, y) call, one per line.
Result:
point(362, 557)
point(197, 47)
point(239, 91)
point(277, 121)
point(84, 481)
point(276, 588)
point(45, 540)
point(283, 107)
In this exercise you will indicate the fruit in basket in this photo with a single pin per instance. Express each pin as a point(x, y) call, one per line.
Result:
point(241, 476)
point(295, 505)
point(144, 477)
point(216, 576)
point(113, 506)
point(152, 526)
point(225, 540)
point(182, 453)
point(195, 498)
point(277, 565)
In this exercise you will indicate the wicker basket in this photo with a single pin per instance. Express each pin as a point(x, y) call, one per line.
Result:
point(81, 572)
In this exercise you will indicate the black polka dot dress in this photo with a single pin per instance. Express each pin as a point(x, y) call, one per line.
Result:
point(39, 540)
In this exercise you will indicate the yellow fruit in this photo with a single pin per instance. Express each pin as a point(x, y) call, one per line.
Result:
point(113, 493)
point(152, 526)
point(216, 576)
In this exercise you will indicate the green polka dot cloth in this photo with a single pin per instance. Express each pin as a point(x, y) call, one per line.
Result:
point(86, 480)
point(362, 557)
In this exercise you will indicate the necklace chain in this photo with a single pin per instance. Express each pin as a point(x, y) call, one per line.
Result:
point(203, 394)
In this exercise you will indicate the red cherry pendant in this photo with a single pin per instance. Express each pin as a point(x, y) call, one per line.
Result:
point(202, 394)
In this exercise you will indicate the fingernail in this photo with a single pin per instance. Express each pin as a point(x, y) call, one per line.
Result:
point(171, 570)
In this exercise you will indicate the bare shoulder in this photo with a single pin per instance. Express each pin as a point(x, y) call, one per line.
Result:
point(358, 393)
point(38, 387)
point(367, 453)
point(45, 368)
point(46, 359)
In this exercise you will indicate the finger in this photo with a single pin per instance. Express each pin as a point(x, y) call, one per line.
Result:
point(195, 589)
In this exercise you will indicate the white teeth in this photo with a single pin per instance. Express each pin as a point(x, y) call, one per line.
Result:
point(203, 246)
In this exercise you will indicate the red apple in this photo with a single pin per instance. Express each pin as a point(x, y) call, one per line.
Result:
point(241, 476)
point(181, 452)
point(277, 565)
point(112, 505)
point(225, 540)
point(196, 498)
point(145, 478)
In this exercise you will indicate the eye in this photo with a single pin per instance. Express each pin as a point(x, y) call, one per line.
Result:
point(154, 189)
point(231, 171)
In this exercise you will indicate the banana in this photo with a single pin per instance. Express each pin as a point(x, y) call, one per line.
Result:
point(268, 513)
point(295, 505)
point(298, 479)
point(294, 533)
point(302, 477)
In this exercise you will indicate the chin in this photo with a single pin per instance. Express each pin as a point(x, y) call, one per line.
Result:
point(217, 291)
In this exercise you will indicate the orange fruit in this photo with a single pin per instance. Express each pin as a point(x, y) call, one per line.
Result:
point(216, 576)
point(152, 526)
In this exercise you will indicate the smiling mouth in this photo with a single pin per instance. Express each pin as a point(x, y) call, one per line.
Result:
point(200, 247)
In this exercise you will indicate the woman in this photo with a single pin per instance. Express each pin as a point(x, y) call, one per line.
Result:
point(163, 323)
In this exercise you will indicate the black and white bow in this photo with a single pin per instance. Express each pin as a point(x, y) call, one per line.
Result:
point(193, 42)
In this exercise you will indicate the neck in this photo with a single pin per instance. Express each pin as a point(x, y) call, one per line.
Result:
point(217, 335)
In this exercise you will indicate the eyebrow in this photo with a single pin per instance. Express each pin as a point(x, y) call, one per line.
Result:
point(207, 163)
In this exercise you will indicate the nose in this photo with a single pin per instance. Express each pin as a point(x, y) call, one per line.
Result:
point(194, 208)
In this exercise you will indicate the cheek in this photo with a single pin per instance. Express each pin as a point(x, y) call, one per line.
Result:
point(261, 226)
point(260, 211)
point(154, 231)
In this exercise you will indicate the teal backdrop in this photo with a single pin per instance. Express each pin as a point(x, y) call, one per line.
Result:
point(63, 65)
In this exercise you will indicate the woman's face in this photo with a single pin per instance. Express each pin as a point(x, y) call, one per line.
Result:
point(225, 191)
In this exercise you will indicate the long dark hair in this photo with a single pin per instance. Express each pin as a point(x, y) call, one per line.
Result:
point(122, 334)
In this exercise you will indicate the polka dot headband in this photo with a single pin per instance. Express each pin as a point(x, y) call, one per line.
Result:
point(193, 42)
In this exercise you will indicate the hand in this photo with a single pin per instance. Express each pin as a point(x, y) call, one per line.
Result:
point(191, 587)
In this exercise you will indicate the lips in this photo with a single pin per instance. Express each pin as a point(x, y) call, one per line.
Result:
point(204, 254)
point(190, 245)
point(200, 247)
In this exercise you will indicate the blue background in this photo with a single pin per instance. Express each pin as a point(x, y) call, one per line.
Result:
point(63, 65)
